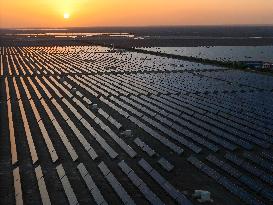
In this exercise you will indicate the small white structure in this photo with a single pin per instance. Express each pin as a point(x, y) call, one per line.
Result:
point(74, 90)
point(62, 79)
point(94, 107)
point(203, 196)
point(267, 65)
point(127, 133)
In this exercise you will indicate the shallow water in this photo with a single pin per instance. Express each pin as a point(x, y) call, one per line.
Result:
point(222, 53)
point(70, 34)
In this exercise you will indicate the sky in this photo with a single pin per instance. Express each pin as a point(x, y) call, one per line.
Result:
point(84, 13)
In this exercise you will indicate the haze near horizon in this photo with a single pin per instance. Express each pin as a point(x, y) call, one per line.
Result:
point(84, 13)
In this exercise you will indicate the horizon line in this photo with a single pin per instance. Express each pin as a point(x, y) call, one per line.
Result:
point(138, 26)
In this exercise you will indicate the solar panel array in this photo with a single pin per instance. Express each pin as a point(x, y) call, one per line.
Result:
point(87, 124)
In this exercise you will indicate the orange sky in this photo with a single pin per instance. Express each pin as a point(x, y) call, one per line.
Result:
point(49, 13)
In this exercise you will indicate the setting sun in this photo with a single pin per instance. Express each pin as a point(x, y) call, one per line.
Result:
point(66, 15)
point(51, 13)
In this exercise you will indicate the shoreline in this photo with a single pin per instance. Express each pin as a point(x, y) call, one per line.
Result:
point(129, 42)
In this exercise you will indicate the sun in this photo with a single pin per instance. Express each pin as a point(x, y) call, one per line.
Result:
point(66, 15)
